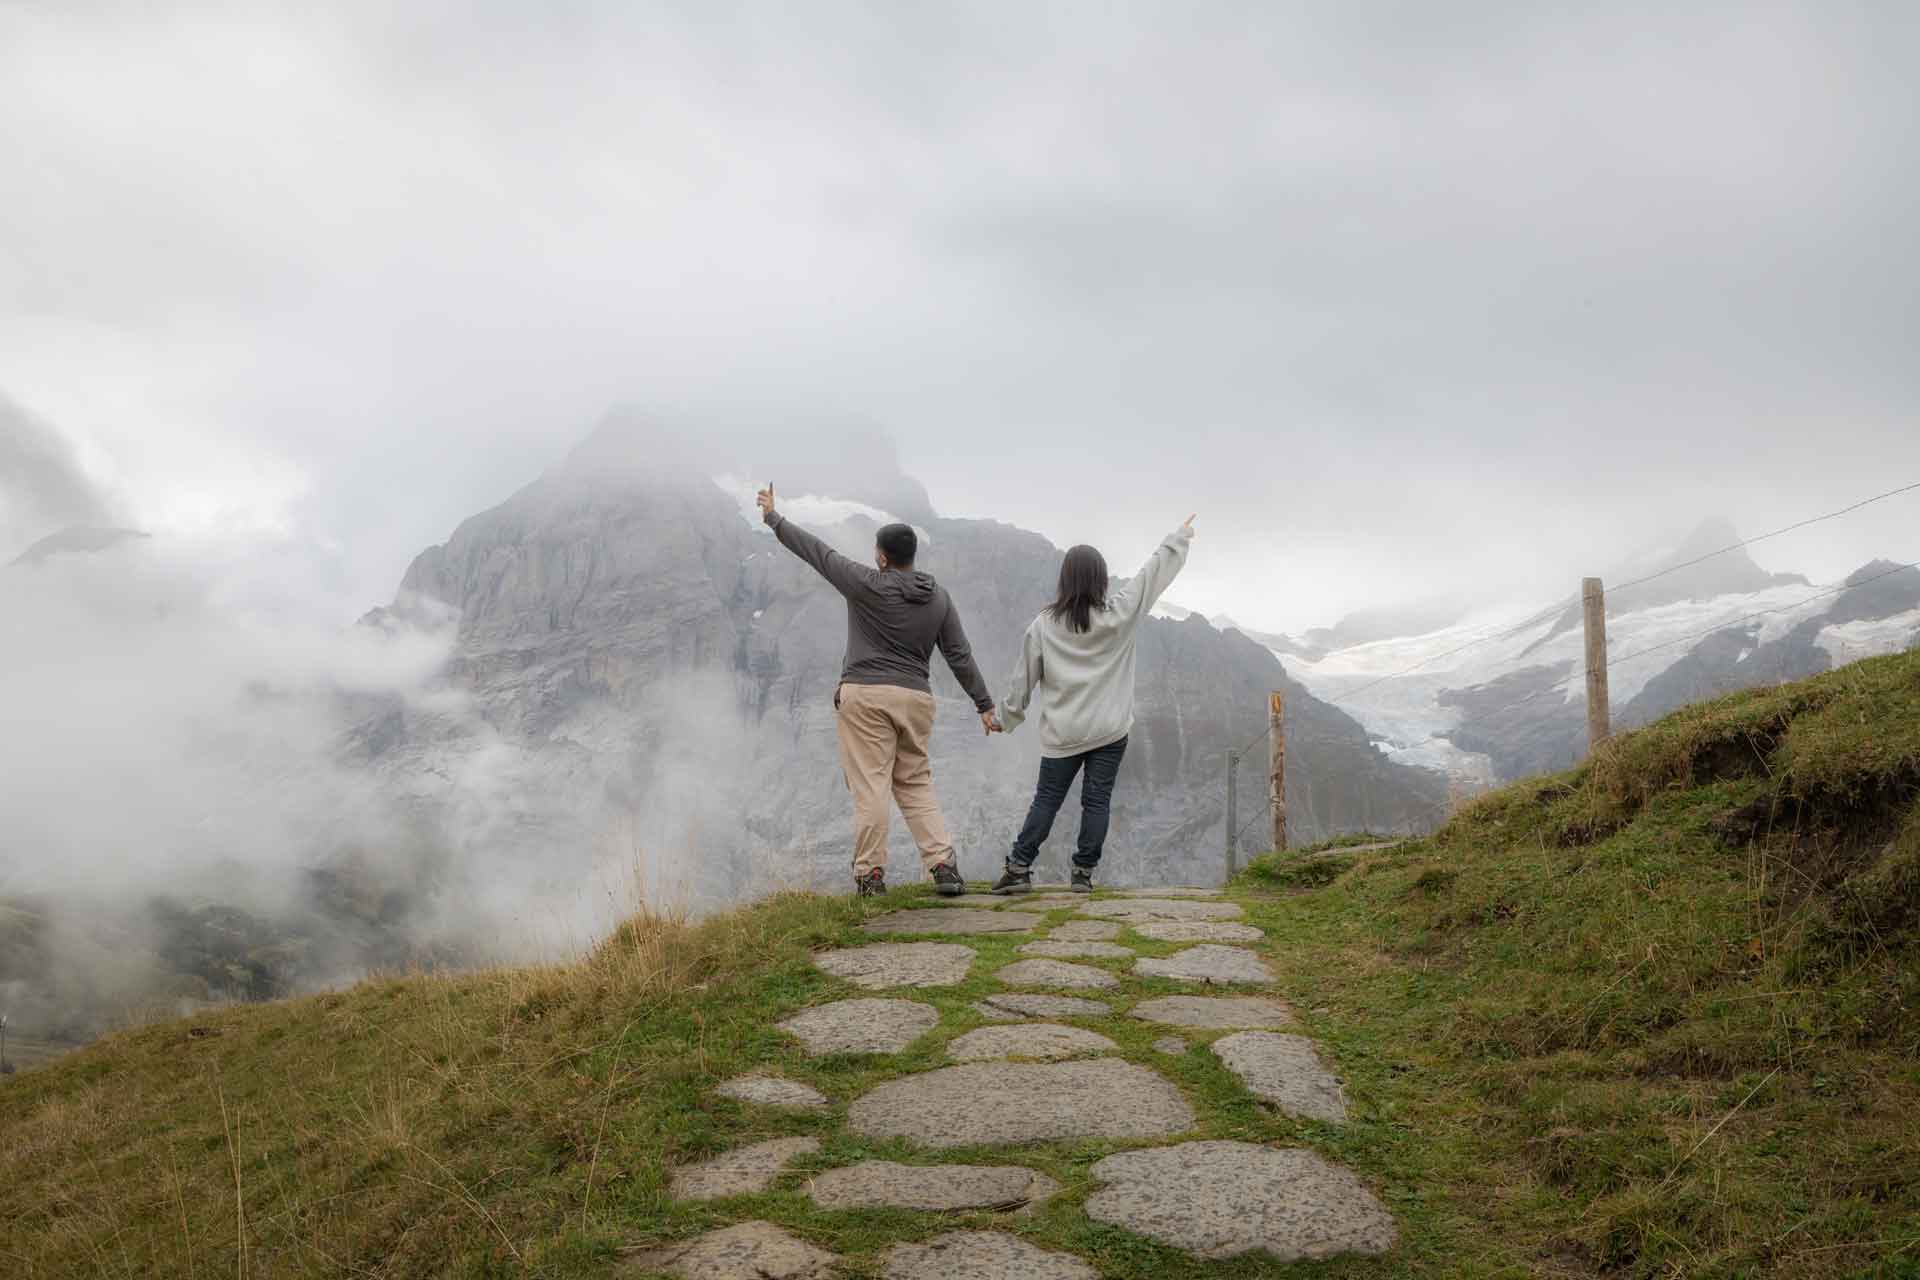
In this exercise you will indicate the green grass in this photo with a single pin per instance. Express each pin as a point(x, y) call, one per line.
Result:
point(1651, 1017)
point(1657, 1015)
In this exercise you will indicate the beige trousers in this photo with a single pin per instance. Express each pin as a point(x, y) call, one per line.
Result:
point(883, 751)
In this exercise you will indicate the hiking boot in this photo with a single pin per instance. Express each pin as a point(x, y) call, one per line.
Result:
point(947, 882)
point(870, 885)
point(1014, 880)
point(1082, 880)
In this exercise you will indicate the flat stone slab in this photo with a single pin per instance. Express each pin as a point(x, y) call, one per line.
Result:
point(1068, 950)
point(1214, 1013)
point(1224, 1199)
point(750, 1251)
point(1055, 973)
point(1023, 1005)
point(949, 920)
point(1085, 931)
point(1286, 1070)
point(861, 1026)
point(741, 1172)
point(1172, 1046)
point(1019, 1102)
point(935, 1189)
point(1140, 910)
point(985, 900)
point(982, 1255)
point(899, 964)
point(1194, 931)
point(1047, 901)
point(1208, 962)
point(772, 1091)
point(1043, 1040)
point(1184, 891)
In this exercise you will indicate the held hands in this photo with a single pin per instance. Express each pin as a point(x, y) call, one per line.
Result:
point(991, 722)
point(765, 499)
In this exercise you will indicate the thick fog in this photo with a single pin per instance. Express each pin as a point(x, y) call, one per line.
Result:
point(1404, 298)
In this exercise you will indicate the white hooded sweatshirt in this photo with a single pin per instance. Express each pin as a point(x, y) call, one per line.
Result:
point(1082, 681)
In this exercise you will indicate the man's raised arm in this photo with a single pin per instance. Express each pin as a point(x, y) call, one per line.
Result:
point(846, 576)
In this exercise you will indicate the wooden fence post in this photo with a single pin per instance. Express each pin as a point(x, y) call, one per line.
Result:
point(1277, 777)
point(1233, 813)
point(1599, 713)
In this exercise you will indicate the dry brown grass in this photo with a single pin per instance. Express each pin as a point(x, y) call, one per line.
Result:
point(388, 1129)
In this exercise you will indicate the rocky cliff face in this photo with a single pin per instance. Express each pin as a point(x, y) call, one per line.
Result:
point(647, 675)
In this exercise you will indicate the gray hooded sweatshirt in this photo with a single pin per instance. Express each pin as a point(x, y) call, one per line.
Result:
point(1082, 681)
point(895, 619)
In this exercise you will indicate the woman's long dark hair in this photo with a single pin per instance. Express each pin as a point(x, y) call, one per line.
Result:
point(1083, 588)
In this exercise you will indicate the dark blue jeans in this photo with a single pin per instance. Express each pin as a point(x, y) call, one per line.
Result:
point(1102, 766)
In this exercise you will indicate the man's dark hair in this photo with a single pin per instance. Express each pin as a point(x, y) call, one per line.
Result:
point(898, 543)
point(1083, 588)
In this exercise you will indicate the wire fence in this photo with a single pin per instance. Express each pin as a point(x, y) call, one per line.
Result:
point(1821, 591)
point(1510, 630)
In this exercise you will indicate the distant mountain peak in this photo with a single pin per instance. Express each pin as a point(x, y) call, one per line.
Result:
point(78, 540)
point(1709, 561)
point(845, 461)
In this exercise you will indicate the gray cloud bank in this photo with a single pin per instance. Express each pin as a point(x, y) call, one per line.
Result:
point(1407, 299)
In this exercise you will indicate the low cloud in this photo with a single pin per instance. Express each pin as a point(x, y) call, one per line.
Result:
point(189, 815)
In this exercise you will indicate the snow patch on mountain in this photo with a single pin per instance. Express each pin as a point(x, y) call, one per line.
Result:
point(1863, 638)
point(1405, 714)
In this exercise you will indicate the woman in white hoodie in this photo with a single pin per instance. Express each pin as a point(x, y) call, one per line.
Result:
point(1076, 666)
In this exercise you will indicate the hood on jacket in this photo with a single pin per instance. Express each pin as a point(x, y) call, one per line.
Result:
point(914, 586)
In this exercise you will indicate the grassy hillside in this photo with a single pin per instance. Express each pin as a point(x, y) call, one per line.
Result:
point(1663, 1010)
point(1655, 1016)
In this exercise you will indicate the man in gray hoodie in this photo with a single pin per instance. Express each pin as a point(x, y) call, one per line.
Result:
point(896, 617)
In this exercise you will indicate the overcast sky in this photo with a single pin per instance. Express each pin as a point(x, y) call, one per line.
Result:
point(1404, 299)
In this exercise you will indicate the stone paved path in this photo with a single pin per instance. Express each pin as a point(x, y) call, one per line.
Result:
point(937, 1188)
point(900, 964)
point(1069, 950)
point(861, 1026)
point(772, 1091)
point(1056, 973)
point(1038, 1068)
point(1016, 1005)
point(1037, 1040)
point(1008, 1104)
point(1208, 962)
point(965, 920)
point(741, 1171)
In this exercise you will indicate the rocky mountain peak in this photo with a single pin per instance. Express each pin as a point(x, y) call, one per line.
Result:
point(1728, 573)
point(831, 460)
point(78, 540)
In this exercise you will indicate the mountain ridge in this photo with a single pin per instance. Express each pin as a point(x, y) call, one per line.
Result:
point(1480, 700)
point(590, 595)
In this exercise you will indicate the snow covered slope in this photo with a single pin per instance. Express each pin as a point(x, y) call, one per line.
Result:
point(1521, 670)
